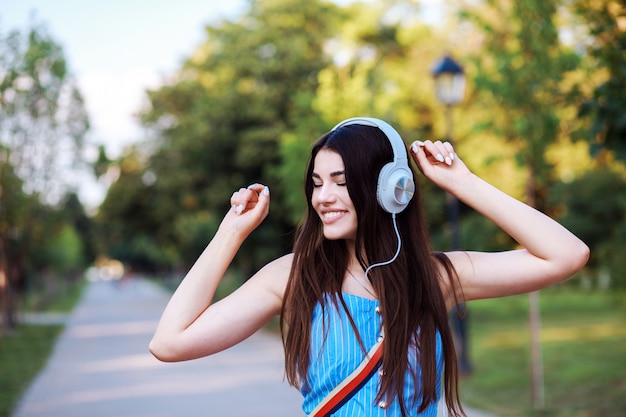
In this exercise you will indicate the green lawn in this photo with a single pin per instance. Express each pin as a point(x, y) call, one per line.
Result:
point(24, 353)
point(584, 355)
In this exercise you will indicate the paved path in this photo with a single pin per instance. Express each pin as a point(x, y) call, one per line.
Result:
point(101, 367)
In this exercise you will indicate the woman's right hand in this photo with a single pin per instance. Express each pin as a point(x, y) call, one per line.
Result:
point(249, 207)
point(440, 164)
point(192, 326)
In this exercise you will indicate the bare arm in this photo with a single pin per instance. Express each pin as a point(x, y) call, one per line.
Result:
point(191, 326)
point(549, 252)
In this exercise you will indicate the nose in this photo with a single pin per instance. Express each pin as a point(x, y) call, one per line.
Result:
point(325, 194)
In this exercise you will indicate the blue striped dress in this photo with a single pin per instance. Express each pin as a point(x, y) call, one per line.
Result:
point(337, 356)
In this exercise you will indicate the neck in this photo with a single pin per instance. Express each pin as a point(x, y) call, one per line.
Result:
point(353, 262)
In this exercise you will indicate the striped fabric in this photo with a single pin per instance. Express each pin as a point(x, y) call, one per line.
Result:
point(333, 359)
point(352, 384)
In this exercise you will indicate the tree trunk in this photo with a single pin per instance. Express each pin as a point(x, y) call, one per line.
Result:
point(534, 320)
point(7, 295)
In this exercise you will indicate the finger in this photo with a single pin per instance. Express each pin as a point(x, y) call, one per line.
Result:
point(450, 150)
point(259, 191)
point(256, 187)
point(438, 152)
point(243, 199)
point(445, 152)
point(441, 152)
point(247, 199)
point(264, 199)
point(421, 157)
point(235, 202)
point(416, 145)
point(433, 152)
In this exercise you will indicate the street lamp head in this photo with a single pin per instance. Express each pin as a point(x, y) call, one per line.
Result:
point(449, 81)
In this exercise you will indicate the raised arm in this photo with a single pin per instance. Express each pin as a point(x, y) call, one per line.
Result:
point(549, 252)
point(191, 326)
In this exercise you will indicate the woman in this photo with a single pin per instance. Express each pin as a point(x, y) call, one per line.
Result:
point(362, 271)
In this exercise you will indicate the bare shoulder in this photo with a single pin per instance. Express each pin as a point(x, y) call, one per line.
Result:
point(274, 275)
point(450, 278)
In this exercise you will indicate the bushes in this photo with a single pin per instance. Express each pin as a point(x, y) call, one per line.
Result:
point(594, 208)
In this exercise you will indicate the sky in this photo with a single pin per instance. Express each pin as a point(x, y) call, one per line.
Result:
point(116, 49)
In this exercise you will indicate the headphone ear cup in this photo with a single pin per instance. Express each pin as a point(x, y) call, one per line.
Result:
point(395, 188)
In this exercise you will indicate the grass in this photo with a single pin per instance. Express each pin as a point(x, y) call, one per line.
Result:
point(66, 301)
point(24, 352)
point(22, 355)
point(583, 349)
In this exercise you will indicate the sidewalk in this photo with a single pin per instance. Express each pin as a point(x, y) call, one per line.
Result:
point(101, 367)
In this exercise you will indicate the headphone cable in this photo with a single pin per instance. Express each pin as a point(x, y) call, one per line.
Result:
point(395, 228)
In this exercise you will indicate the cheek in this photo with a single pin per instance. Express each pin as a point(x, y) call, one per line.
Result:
point(346, 197)
point(314, 197)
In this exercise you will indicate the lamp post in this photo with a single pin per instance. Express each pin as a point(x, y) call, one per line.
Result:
point(450, 91)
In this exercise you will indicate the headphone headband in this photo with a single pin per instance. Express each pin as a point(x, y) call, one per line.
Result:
point(397, 144)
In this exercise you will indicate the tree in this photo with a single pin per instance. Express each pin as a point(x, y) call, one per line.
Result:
point(43, 120)
point(520, 69)
point(594, 208)
point(221, 124)
point(13, 206)
point(42, 125)
point(605, 107)
point(128, 218)
point(381, 67)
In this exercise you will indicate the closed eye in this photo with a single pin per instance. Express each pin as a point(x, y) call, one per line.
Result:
point(338, 176)
point(318, 185)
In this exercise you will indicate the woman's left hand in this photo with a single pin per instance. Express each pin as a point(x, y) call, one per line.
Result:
point(439, 163)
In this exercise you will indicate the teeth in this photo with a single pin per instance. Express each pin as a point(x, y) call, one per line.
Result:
point(332, 214)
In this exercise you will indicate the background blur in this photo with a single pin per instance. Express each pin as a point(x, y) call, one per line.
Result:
point(120, 157)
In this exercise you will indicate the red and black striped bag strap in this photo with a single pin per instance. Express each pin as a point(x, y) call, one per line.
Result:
point(349, 386)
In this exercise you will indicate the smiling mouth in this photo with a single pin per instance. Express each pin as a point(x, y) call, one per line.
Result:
point(332, 214)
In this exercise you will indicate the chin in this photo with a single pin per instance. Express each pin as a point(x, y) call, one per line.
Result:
point(339, 236)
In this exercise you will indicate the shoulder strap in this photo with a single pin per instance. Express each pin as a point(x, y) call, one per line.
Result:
point(349, 386)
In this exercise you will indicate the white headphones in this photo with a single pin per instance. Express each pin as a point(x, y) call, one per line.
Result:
point(395, 180)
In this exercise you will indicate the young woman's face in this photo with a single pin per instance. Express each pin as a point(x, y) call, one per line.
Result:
point(330, 197)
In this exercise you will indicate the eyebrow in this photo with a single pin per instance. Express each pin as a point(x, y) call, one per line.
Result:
point(332, 174)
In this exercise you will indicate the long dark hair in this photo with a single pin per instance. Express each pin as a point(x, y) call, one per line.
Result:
point(412, 304)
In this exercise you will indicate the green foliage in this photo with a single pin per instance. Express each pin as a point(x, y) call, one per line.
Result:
point(222, 124)
point(520, 69)
point(594, 208)
point(249, 102)
point(128, 217)
point(481, 234)
point(604, 107)
point(193, 229)
point(65, 251)
point(610, 255)
point(295, 153)
point(592, 205)
point(13, 201)
point(583, 354)
point(43, 122)
point(74, 213)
